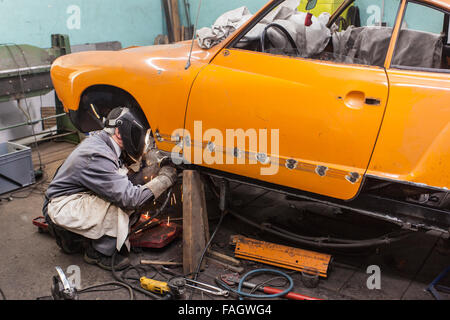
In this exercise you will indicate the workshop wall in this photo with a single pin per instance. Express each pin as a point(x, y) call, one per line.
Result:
point(132, 22)
point(211, 10)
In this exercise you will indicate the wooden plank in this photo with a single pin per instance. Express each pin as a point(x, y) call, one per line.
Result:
point(225, 265)
point(176, 20)
point(195, 221)
point(163, 263)
point(168, 18)
point(224, 257)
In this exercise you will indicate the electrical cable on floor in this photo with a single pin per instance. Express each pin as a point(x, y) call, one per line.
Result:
point(206, 248)
point(140, 227)
point(32, 189)
point(90, 289)
point(242, 294)
point(2, 294)
point(266, 282)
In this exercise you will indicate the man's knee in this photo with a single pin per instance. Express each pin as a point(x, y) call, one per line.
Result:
point(68, 241)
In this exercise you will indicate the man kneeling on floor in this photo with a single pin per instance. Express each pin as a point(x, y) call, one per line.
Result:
point(91, 203)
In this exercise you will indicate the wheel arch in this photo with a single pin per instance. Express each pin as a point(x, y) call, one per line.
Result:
point(97, 101)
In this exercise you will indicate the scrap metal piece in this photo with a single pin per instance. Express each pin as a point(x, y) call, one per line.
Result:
point(306, 261)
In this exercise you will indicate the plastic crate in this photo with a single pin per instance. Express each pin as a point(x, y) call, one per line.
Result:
point(16, 167)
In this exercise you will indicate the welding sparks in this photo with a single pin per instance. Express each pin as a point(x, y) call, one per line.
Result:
point(168, 220)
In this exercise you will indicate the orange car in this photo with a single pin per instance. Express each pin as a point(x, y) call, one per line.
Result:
point(359, 120)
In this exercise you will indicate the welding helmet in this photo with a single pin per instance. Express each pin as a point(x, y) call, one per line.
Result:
point(131, 130)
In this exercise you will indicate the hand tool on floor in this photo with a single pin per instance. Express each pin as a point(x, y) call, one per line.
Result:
point(177, 287)
point(61, 288)
point(232, 279)
point(159, 287)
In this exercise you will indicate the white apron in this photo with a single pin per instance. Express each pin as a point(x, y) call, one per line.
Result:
point(90, 216)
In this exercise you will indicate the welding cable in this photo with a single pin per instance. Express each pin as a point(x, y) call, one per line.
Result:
point(136, 288)
point(207, 247)
point(27, 115)
point(94, 288)
point(265, 283)
point(321, 243)
point(32, 189)
point(242, 294)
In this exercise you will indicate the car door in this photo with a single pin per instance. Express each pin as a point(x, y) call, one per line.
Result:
point(414, 139)
point(320, 118)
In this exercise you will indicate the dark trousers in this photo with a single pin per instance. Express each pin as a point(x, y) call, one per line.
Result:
point(71, 242)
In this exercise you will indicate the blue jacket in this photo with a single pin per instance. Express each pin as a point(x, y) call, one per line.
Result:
point(93, 166)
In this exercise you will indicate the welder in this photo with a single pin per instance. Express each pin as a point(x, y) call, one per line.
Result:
point(92, 201)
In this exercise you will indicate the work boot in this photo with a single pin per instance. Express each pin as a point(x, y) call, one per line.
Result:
point(92, 256)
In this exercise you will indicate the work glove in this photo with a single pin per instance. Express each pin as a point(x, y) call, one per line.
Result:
point(166, 178)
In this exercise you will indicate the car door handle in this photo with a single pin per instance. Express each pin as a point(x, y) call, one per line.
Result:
point(357, 100)
point(372, 101)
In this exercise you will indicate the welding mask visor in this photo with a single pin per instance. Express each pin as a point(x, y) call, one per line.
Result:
point(133, 135)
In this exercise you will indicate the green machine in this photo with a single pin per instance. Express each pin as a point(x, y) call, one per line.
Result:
point(25, 73)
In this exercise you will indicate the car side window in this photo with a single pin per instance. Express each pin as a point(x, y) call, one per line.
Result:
point(423, 42)
point(359, 35)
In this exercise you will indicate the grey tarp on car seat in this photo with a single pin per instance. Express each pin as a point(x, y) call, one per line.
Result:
point(362, 45)
point(369, 45)
point(222, 27)
point(418, 49)
point(232, 20)
point(310, 40)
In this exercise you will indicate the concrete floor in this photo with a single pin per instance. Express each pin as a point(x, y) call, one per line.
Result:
point(28, 258)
